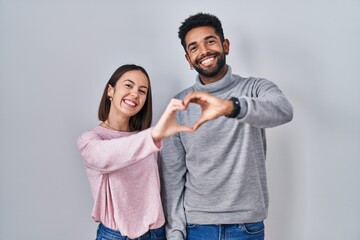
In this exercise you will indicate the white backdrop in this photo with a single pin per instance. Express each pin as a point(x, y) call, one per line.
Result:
point(56, 56)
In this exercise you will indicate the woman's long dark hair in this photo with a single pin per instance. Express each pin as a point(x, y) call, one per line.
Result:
point(141, 120)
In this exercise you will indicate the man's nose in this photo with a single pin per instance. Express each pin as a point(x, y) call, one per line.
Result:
point(203, 49)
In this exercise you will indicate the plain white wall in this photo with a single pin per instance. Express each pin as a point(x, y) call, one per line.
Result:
point(56, 56)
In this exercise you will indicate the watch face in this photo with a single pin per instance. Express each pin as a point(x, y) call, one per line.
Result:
point(236, 110)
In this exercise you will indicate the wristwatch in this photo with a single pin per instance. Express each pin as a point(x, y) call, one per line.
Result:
point(236, 110)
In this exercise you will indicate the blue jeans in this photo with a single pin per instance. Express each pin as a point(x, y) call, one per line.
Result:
point(246, 231)
point(105, 233)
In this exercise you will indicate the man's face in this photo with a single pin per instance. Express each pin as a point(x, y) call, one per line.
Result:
point(205, 51)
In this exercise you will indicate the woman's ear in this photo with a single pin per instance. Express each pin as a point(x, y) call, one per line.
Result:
point(110, 91)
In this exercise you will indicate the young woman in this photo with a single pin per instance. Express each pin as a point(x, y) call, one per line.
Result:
point(121, 157)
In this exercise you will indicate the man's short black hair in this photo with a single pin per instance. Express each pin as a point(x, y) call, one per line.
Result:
point(200, 20)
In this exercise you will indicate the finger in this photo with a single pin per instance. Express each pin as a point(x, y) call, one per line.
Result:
point(191, 97)
point(185, 129)
point(176, 101)
point(176, 104)
point(179, 103)
point(186, 99)
point(176, 107)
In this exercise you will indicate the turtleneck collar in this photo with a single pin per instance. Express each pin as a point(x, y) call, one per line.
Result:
point(217, 87)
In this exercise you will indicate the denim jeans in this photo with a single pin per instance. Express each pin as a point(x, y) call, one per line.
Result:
point(104, 233)
point(246, 231)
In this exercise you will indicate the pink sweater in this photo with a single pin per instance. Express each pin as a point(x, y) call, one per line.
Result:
point(122, 168)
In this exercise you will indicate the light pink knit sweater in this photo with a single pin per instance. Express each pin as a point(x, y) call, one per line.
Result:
point(122, 168)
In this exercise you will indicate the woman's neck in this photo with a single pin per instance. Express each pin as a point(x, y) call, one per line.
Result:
point(117, 124)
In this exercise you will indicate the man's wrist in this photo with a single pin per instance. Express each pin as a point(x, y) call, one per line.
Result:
point(236, 108)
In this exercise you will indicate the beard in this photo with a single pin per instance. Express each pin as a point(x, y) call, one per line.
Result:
point(213, 71)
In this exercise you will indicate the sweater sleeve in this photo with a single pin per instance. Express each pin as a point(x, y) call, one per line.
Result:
point(113, 154)
point(173, 170)
point(266, 105)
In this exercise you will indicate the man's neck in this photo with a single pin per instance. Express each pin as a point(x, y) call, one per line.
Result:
point(206, 80)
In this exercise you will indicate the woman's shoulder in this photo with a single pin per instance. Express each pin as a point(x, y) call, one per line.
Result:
point(102, 133)
point(89, 135)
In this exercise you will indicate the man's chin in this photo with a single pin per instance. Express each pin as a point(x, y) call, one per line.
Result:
point(210, 71)
point(207, 73)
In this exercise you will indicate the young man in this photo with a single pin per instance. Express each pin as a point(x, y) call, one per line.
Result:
point(214, 181)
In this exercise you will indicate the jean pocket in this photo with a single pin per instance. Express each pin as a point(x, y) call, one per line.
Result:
point(254, 228)
point(158, 233)
point(108, 238)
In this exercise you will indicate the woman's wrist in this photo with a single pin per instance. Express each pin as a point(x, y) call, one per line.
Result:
point(155, 136)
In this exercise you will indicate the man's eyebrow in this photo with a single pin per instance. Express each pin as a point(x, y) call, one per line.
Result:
point(191, 44)
point(209, 37)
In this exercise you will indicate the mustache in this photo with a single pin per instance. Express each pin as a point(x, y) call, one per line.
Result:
point(209, 54)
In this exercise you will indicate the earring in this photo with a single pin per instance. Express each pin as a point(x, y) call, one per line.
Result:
point(110, 98)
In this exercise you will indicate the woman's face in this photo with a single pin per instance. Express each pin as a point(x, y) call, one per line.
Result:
point(129, 93)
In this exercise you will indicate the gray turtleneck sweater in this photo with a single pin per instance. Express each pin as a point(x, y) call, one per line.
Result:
point(217, 175)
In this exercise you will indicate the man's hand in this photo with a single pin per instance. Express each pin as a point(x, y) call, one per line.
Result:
point(212, 106)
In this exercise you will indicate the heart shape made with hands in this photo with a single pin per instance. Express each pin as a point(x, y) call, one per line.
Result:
point(212, 107)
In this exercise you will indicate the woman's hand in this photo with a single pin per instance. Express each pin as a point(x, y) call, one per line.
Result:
point(167, 125)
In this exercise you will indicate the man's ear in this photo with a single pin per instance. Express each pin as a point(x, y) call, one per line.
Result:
point(188, 59)
point(226, 46)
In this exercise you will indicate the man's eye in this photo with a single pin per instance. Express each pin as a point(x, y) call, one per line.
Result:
point(192, 49)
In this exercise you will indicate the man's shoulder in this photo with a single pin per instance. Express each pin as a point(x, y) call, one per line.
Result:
point(183, 93)
point(251, 80)
point(247, 78)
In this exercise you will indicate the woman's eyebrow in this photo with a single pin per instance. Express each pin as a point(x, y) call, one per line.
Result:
point(128, 81)
point(134, 83)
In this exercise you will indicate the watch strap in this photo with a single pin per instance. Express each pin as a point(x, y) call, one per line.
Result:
point(236, 110)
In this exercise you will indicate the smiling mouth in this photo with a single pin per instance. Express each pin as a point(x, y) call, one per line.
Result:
point(130, 103)
point(207, 61)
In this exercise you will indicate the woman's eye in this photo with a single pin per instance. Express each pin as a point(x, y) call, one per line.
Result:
point(143, 92)
point(128, 85)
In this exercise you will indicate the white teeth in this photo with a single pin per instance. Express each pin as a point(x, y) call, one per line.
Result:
point(130, 102)
point(206, 61)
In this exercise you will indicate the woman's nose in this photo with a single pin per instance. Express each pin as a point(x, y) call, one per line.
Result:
point(134, 93)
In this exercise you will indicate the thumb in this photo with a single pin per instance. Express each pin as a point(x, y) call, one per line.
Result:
point(199, 123)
